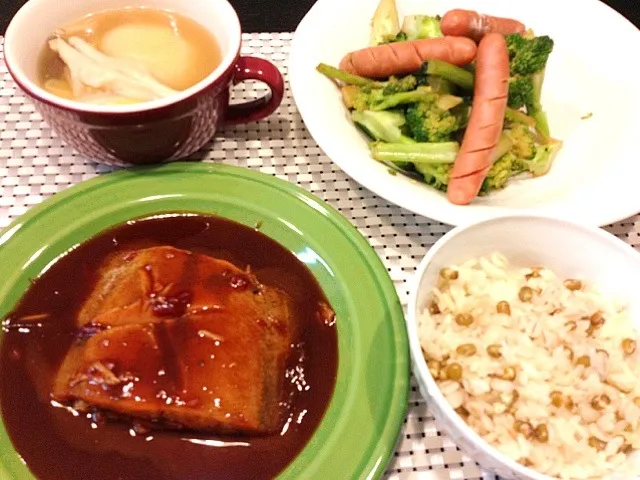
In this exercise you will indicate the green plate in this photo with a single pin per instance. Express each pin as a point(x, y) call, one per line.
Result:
point(361, 426)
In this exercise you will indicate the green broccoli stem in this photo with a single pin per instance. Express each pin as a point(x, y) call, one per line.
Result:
point(456, 75)
point(545, 155)
point(421, 94)
point(542, 125)
point(535, 110)
point(440, 85)
point(516, 116)
point(385, 126)
point(502, 148)
point(346, 77)
point(416, 153)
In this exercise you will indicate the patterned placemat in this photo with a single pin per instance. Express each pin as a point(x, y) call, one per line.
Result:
point(34, 164)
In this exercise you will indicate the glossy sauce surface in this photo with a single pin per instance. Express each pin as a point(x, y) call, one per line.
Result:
point(33, 348)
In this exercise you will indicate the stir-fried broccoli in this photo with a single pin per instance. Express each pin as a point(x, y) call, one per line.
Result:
point(440, 85)
point(527, 61)
point(516, 116)
point(435, 175)
point(501, 172)
point(430, 123)
point(361, 93)
point(382, 125)
point(434, 163)
point(520, 92)
point(528, 55)
point(528, 58)
point(415, 122)
point(354, 98)
point(365, 98)
point(421, 26)
point(456, 75)
point(524, 155)
point(543, 159)
point(535, 110)
point(401, 84)
point(525, 91)
point(347, 78)
point(504, 165)
point(417, 153)
point(523, 141)
point(385, 102)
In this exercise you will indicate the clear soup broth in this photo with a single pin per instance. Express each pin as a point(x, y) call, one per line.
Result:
point(127, 55)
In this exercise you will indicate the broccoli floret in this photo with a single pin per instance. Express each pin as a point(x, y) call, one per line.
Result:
point(523, 141)
point(367, 94)
point(421, 26)
point(527, 62)
point(429, 123)
point(523, 156)
point(435, 175)
point(541, 162)
point(358, 98)
point(528, 55)
point(402, 84)
point(434, 161)
point(385, 125)
point(354, 98)
point(520, 91)
point(365, 98)
point(435, 170)
point(362, 98)
point(501, 172)
point(526, 91)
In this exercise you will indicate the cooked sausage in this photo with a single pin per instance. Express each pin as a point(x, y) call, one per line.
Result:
point(401, 58)
point(485, 122)
point(468, 23)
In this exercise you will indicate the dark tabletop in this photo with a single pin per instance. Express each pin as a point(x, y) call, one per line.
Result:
point(284, 15)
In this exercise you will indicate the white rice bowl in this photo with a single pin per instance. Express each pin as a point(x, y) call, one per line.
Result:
point(548, 387)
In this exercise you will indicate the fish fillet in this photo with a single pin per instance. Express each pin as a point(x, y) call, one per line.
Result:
point(181, 338)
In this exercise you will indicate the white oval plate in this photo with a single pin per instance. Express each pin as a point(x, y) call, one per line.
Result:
point(595, 179)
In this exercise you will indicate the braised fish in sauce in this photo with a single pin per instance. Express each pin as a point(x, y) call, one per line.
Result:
point(197, 348)
point(181, 337)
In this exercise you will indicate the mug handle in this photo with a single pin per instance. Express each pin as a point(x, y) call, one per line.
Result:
point(254, 68)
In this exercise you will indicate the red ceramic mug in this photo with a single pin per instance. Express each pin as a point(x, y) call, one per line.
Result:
point(156, 131)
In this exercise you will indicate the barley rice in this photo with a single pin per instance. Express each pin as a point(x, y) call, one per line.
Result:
point(553, 380)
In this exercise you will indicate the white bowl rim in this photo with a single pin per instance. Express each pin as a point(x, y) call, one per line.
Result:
point(420, 365)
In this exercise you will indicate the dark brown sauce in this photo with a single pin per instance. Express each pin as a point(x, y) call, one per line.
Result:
point(57, 445)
